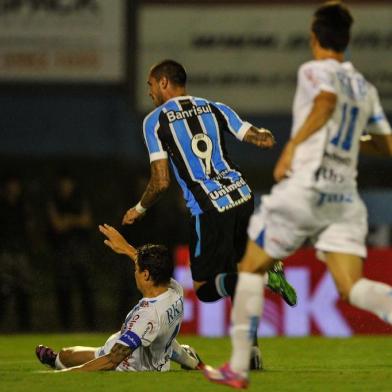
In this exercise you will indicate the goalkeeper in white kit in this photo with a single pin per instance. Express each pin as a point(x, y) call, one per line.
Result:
point(147, 339)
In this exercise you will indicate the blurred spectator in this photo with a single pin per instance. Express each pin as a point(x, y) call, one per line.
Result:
point(15, 268)
point(70, 223)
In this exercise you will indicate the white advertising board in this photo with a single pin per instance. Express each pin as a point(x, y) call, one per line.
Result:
point(248, 55)
point(62, 40)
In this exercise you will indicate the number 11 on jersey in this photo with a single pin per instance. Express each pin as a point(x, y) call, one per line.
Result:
point(347, 127)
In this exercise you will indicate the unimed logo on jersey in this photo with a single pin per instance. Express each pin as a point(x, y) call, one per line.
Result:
point(184, 114)
point(226, 189)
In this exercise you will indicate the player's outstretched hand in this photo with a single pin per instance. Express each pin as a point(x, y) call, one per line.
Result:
point(117, 242)
point(131, 216)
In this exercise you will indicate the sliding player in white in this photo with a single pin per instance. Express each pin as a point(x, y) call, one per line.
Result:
point(316, 196)
point(146, 341)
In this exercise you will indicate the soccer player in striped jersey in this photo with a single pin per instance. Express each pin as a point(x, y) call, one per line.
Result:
point(147, 339)
point(187, 133)
point(316, 196)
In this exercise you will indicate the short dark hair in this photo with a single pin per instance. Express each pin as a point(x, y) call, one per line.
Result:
point(157, 261)
point(170, 69)
point(331, 25)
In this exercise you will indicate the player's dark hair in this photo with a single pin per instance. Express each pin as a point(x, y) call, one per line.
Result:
point(170, 69)
point(331, 25)
point(157, 261)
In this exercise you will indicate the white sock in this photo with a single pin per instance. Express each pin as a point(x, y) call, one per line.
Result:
point(245, 315)
point(180, 356)
point(374, 297)
point(58, 363)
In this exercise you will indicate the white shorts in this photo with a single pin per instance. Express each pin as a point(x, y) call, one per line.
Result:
point(291, 214)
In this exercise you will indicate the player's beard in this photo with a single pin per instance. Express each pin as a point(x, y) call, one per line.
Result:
point(158, 101)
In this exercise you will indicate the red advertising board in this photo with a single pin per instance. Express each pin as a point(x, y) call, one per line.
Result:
point(319, 310)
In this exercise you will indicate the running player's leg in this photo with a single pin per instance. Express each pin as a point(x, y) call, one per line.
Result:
point(275, 230)
point(366, 294)
point(247, 307)
point(343, 243)
point(212, 254)
point(248, 304)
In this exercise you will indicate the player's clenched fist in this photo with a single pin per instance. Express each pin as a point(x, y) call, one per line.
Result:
point(131, 216)
point(267, 139)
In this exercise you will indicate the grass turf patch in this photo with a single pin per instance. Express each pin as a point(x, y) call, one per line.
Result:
point(301, 364)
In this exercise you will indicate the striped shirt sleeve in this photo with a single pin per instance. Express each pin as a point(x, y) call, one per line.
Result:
point(235, 124)
point(150, 131)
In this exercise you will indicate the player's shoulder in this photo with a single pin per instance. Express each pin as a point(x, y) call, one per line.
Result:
point(147, 308)
point(199, 101)
point(174, 285)
point(221, 106)
point(318, 65)
point(153, 117)
point(351, 69)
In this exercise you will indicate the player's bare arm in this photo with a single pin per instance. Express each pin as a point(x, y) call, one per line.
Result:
point(109, 361)
point(158, 184)
point(323, 108)
point(262, 137)
point(377, 145)
point(117, 242)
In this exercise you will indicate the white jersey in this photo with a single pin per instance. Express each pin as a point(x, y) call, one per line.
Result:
point(149, 329)
point(328, 158)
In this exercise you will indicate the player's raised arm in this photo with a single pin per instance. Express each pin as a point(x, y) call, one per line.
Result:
point(322, 110)
point(158, 184)
point(243, 130)
point(117, 242)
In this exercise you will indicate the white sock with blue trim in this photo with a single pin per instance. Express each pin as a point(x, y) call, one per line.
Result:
point(245, 315)
point(375, 297)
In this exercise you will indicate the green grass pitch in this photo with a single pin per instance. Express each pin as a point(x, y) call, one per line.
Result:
point(303, 364)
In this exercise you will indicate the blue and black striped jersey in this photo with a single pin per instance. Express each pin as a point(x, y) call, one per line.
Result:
point(189, 131)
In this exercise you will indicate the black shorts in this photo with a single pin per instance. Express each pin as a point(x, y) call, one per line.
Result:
point(218, 241)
